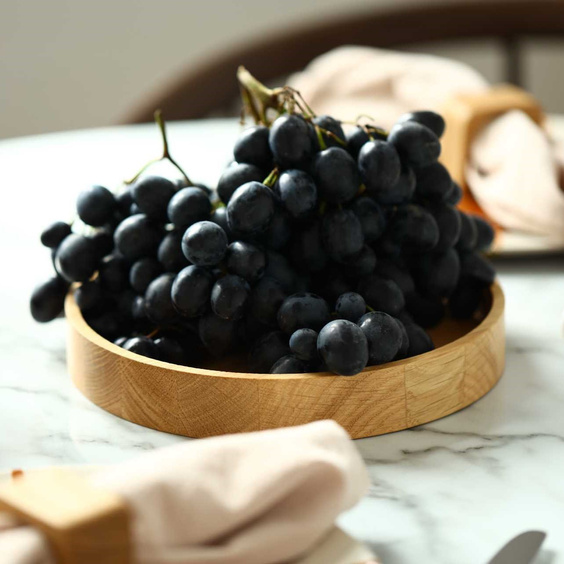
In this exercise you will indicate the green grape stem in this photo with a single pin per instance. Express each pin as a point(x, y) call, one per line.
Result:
point(271, 179)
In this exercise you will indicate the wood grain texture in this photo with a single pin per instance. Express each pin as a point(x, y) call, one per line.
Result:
point(200, 403)
point(83, 524)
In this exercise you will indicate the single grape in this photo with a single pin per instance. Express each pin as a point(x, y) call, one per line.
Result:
point(381, 294)
point(278, 231)
point(401, 192)
point(404, 347)
point(485, 233)
point(472, 265)
point(48, 299)
point(303, 311)
point(398, 273)
point(230, 297)
point(334, 127)
point(218, 335)
point(468, 238)
point(252, 147)
point(125, 302)
point(433, 182)
point(152, 195)
point(379, 166)
point(291, 141)
point(143, 272)
point(432, 120)
point(419, 340)
point(137, 237)
point(360, 264)
point(454, 195)
point(350, 306)
point(204, 243)
point(143, 346)
point(138, 311)
point(96, 206)
point(437, 274)
point(343, 347)
point(371, 217)
point(330, 283)
point(307, 252)
point(113, 274)
point(108, 324)
point(188, 206)
point(298, 193)
point(303, 344)
point(76, 258)
point(219, 216)
point(158, 301)
point(267, 350)
point(53, 235)
point(336, 175)
point(245, 260)
point(414, 229)
point(103, 242)
point(415, 143)
point(265, 301)
point(288, 364)
point(449, 223)
point(89, 296)
point(278, 267)
point(235, 175)
point(341, 233)
point(170, 253)
point(250, 209)
point(170, 350)
point(383, 334)
point(191, 290)
point(466, 299)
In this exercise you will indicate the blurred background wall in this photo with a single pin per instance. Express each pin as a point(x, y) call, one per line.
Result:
point(68, 64)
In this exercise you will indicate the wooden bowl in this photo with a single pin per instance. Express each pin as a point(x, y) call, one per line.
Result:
point(467, 363)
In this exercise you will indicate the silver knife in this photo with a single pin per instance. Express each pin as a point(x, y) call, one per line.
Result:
point(520, 550)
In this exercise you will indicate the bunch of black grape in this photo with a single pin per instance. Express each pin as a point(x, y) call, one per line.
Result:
point(318, 251)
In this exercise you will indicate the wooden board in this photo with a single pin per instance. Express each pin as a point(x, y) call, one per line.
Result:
point(200, 403)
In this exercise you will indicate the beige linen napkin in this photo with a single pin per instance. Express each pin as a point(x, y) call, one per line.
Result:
point(514, 168)
point(255, 498)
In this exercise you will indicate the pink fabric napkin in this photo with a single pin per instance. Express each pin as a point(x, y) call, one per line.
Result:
point(255, 498)
point(514, 170)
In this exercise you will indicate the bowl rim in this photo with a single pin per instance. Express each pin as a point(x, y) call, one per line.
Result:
point(77, 321)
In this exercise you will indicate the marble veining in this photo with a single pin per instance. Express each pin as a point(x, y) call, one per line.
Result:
point(450, 492)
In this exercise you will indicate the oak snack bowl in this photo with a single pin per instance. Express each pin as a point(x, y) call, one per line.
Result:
point(195, 402)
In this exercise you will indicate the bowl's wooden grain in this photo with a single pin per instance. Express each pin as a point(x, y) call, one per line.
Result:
point(199, 403)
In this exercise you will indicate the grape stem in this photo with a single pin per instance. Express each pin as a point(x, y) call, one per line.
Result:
point(166, 153)
point(271, 179)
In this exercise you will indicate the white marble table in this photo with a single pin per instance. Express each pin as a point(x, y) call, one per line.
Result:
point(450, 492)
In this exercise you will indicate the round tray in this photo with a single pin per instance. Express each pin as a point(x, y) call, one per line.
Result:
point(467, 363)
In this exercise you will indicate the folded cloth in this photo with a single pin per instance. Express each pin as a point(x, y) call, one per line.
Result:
point(255, 498)
point(514, 170)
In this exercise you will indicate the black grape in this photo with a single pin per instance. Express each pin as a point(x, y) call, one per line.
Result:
point(170, 253)
point(341, 234)
point(143, 346)
point(336, 175)
point(170, 350)
point(291, 141)
point(48, 299)
point(468, 238)
point(404, 347)
point(415, 143)
point(54, 235)
point(267, 350)
point(357, 137)
point(191, 290)
point(76, 258)
point(235, 175)
point(303, 344)
point(250, 209)
point(278, 267)
point(158, 301)
point(381, 294)
point(425, 311)
point(454, 195)
point(143, 272)
point(152, 195)
point(245, 260)
point(188, 206)
point(219, 216)
point(433, 182)
point(103, 242)
point(414, 229)
point(402, 191)
point(252, 147)
point(113, 274)
point(218, 335)
point(361, 264)
point(379, 166)
point(230, 296)
point(204, 243)
point(307, 250)
point(96, 206)
point(419, 340)
point(485, 233)
point(466, 299)
point(350, 306)
point(137, 236)
point(89, 296)
point(474, 266)
point(279, 230)
point(429, 119)
point(398, 273)
point(383, 334)
point(303, 311)
point(343, 347)
point(266, 298)
point(449, 223)
point(438, 273)
point(298, 193)
point(371, 217)
point(288, 364)
point(332, 125)
point(124, 201)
